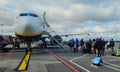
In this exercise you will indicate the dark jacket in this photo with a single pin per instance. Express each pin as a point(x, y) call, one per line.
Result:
point(99, 44)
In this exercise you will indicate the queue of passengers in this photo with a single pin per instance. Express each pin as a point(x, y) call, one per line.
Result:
point(96, 46)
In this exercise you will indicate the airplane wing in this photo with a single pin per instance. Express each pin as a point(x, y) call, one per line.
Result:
point(66, 35)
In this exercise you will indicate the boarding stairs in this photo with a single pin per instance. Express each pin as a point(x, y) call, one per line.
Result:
point(51, 33)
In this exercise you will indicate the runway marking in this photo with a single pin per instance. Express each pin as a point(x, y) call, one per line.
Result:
point(112, 64)
point(78, 64)
point(63, 61)
point(113, 56)
point(79, 57)
point(111, 67)
point(24, 64)
point(93, 66)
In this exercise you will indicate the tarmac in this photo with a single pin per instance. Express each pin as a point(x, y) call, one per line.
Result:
point(55, 59)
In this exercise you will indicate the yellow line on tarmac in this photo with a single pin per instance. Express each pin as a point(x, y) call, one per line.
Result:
point(24, 63)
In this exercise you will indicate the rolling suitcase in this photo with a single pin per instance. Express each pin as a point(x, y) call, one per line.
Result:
point(97, 60)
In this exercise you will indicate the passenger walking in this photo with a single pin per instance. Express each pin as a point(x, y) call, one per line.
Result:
point(103, 51)
point(71, 44)
point(112, 44)
point(93, 46)
point(89, 46)
point(76, 45)
point(108, 44)
point(82, 44)
point(99, 45)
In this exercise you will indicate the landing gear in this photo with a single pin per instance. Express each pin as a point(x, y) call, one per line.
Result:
point(29, 48)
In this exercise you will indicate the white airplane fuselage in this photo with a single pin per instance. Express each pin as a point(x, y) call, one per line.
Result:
point(29, 26)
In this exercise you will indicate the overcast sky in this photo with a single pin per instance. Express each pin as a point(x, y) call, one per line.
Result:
point(67, 16)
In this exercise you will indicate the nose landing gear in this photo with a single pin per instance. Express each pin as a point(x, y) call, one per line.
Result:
point(29, 48)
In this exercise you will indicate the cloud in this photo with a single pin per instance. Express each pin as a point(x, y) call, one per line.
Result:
point(3, 2)
point(67, 16)
point(99, 29)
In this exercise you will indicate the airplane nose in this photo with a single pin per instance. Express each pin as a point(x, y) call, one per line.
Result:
point(29, 27)
point(22, 26)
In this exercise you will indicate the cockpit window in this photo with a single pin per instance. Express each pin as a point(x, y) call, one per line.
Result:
point(24, 14)
point(33, 15)
point(28, 14)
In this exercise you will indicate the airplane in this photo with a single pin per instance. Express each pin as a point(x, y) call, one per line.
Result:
point(30, 28)
point(66, 35)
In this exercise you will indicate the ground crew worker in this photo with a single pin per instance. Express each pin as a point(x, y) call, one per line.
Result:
point(118, 51)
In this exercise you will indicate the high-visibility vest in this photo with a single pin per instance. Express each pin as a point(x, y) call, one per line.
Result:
point(118, 51)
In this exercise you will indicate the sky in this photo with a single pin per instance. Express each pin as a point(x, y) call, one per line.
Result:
point(98, 17)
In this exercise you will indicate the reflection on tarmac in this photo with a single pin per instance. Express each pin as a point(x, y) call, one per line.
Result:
point(42, 61)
